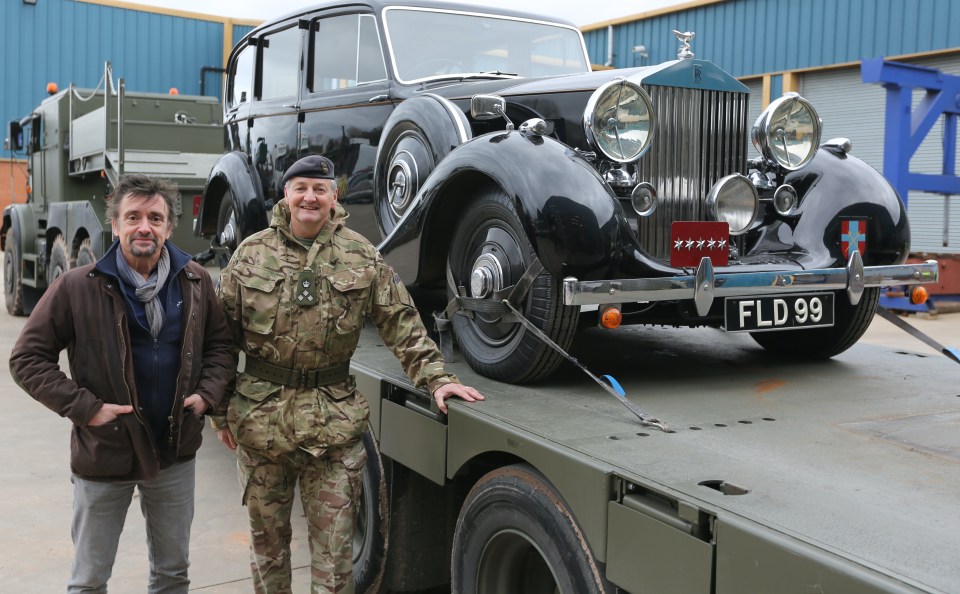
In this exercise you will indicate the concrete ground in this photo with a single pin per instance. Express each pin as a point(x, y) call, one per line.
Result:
point(37, 494)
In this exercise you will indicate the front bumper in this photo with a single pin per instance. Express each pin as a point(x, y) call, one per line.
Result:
point(704, 286)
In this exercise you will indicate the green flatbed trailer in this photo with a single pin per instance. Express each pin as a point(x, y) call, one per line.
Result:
point(779, 476)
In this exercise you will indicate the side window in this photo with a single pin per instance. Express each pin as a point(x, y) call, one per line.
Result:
point(280, 64)
point(241, 77)
point(346, 52)
point(370, 66)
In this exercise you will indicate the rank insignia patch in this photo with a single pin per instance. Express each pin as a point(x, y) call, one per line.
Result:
point(307, 289)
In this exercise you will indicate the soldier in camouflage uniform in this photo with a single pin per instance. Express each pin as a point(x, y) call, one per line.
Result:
point(296, 295)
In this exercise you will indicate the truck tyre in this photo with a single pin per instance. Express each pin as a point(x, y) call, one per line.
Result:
point(59, 260)
point(85, 254)
point(516, 535)
point(850, 322)
point(489, 244)
point(372, 524)
point(228, 231)
point(12, 283)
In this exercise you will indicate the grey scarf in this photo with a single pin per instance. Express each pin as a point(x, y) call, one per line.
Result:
point(148, 290)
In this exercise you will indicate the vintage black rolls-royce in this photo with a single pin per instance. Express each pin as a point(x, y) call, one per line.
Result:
point(480, 153)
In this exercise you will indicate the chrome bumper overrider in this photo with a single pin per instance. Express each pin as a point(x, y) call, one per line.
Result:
point(705, 285)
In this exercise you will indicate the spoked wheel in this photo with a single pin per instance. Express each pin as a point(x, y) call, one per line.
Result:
point(850, 322)
point(59, 260)
point(516, 535)
point(228, 229)
point(85, 254)
point(409, 163)
point(372, 523)
point(416, 137)
point(12, 282)
point(490, 252)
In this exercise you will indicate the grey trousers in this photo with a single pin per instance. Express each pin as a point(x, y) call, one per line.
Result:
point(99, 511)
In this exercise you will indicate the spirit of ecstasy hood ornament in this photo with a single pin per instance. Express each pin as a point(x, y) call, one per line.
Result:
point(684, 53)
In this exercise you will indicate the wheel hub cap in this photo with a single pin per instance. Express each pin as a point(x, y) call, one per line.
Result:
point(486, 278)
point(229, 234)
point(401, 182)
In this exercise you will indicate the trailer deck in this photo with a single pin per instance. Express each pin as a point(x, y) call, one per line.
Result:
point(855, 457)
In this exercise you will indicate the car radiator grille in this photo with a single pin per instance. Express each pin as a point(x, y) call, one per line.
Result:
point(701, 136)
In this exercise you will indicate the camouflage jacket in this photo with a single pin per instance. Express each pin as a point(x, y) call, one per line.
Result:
point(258, 289)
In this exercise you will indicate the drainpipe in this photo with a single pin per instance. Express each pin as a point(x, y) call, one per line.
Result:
point(609, 61)
point(203, 76)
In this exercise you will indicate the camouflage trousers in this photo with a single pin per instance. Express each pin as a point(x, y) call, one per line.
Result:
point(329, 487)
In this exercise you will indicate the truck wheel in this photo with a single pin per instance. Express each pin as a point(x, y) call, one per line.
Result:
point(59, 260)
point(516, 535)
point(228, 232)
point(12, 283)
point(85, 254)
point(490, 252)
point(850, 322)
point(372, 524)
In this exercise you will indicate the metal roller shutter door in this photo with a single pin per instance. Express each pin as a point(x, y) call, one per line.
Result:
point(855, 110)
point(754, 109)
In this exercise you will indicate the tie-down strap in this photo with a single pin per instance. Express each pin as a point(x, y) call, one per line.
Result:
point(506, 304)
point(467, 306)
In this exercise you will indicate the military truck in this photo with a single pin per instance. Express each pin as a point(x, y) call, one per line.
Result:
point(77, 144)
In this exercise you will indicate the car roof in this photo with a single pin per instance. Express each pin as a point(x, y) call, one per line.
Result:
point(378, 5)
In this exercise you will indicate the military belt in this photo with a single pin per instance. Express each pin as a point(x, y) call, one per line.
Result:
point(298, 378)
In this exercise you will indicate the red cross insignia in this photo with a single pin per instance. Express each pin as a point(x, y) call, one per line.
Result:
point(853, 236)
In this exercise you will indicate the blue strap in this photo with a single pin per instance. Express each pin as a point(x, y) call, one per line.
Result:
point(953, 353)
point(614, 384)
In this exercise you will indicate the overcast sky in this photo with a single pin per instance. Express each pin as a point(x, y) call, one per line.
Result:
point(580, 12)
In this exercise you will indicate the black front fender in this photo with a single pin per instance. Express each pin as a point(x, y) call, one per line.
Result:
point(233, 172)
point(568, 213)
point(832, 188)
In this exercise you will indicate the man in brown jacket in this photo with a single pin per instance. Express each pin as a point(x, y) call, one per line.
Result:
point(149, 353)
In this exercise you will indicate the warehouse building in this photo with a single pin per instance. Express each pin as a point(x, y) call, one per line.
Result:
point(813, 47)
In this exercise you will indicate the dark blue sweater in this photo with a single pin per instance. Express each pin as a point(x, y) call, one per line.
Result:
point(156, 361)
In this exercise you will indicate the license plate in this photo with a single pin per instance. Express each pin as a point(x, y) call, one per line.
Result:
point(784, 312)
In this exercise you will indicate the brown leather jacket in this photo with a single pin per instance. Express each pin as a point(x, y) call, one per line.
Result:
point(84, 312)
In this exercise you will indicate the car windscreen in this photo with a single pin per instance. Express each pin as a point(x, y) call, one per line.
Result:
point(443, 44)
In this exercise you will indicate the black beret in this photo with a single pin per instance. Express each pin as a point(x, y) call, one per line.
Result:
point(313, 166)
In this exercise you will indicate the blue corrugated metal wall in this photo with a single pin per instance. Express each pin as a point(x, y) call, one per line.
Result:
point(214, 80)
point(239, 31)
point(748, 37)
point(66, 41)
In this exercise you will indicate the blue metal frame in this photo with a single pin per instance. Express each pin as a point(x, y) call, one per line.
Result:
point(906, 128)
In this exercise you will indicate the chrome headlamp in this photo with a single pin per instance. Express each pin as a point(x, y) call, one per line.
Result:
point(734, 200)
point(788, 132)
point(619, 120)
